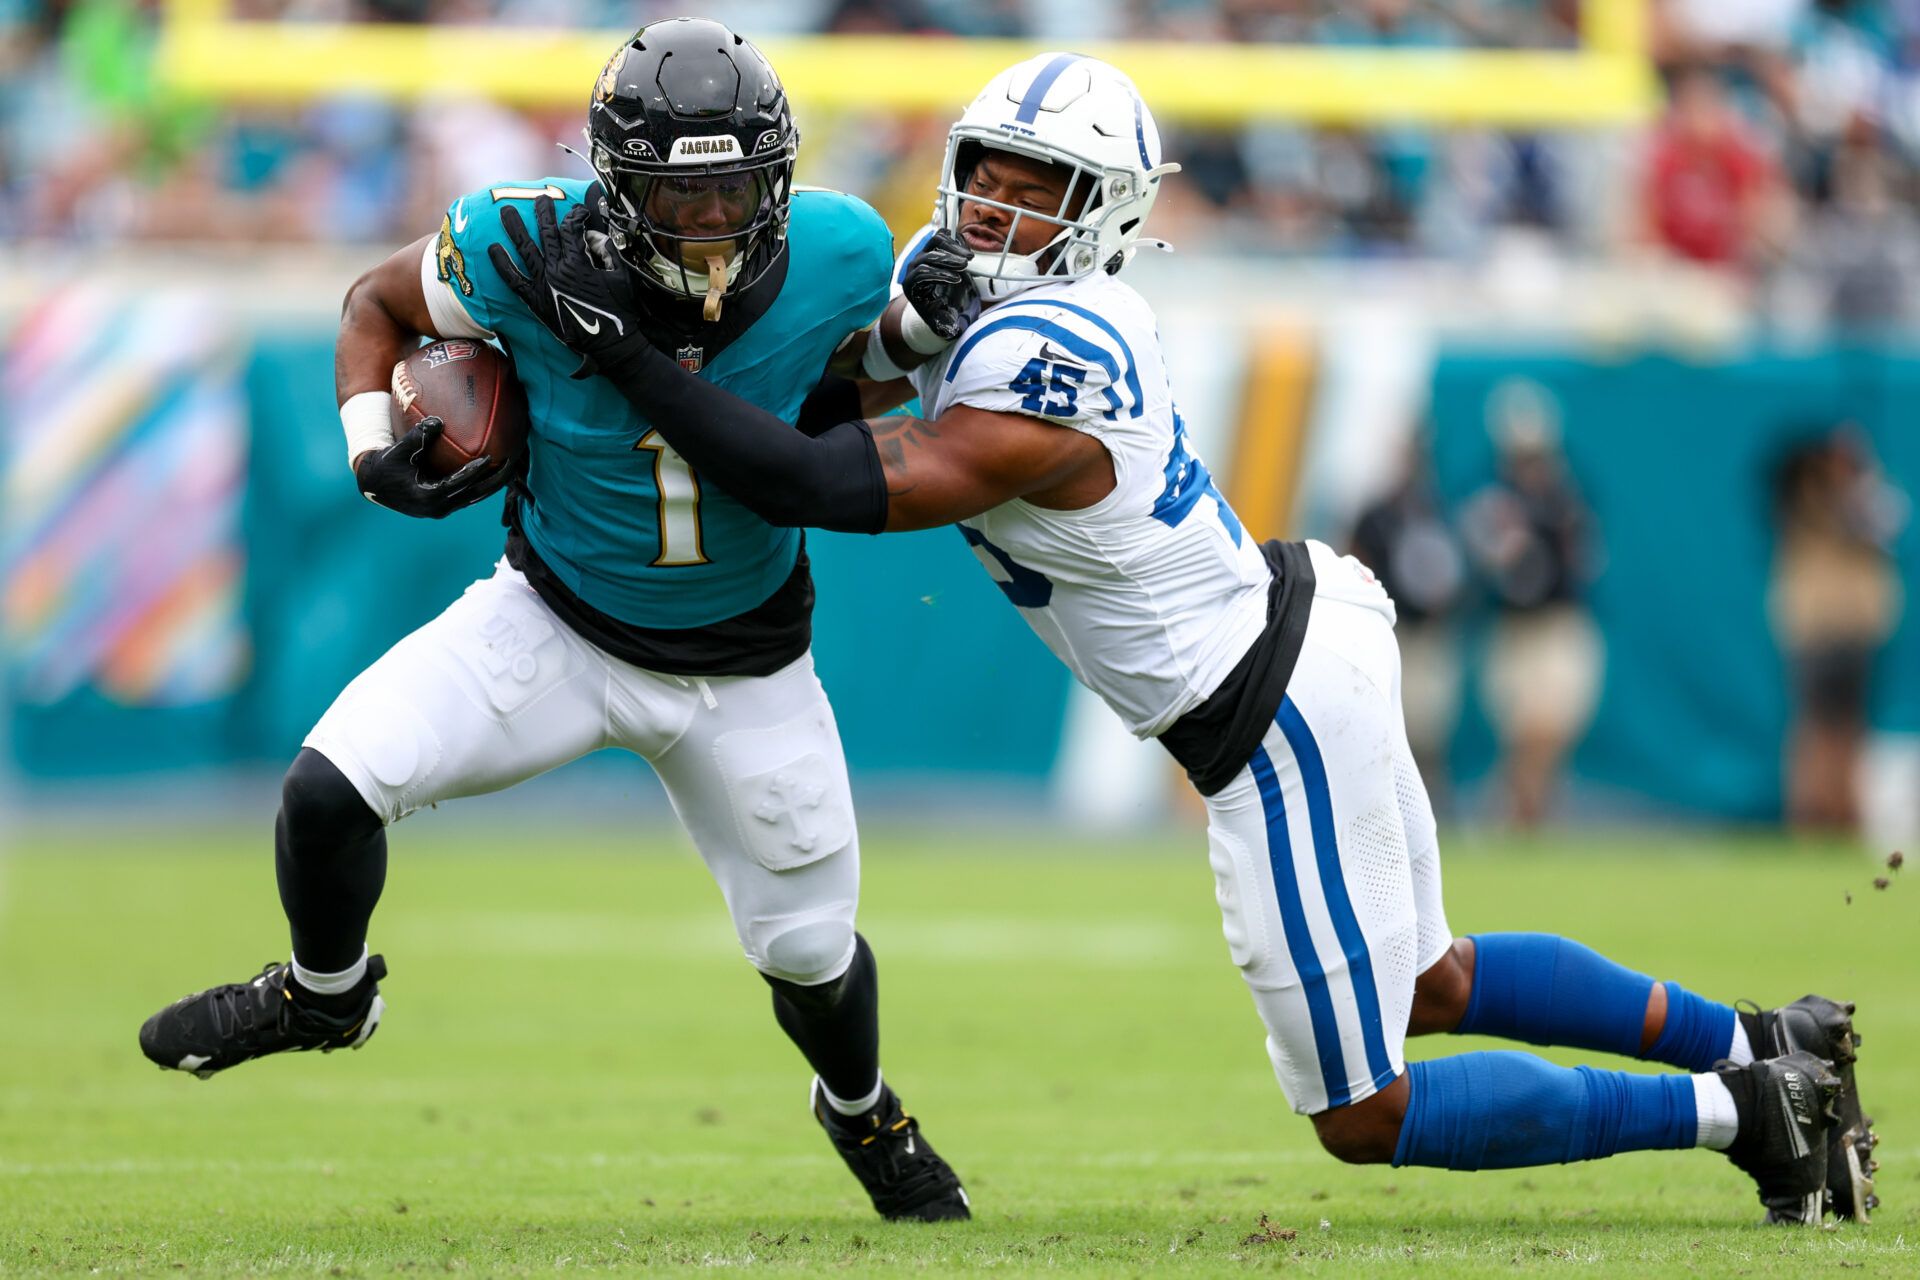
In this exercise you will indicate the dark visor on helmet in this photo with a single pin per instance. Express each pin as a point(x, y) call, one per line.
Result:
point(688, 214)
point(704, 206)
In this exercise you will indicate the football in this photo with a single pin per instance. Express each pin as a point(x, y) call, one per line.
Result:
point(471, 388)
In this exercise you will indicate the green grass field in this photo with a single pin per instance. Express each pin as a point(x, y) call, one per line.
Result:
point(578, 1071)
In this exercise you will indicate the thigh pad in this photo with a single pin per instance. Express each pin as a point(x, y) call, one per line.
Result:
point(787, 787)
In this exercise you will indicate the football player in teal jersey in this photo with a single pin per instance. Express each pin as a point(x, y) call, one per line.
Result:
point(633, 607)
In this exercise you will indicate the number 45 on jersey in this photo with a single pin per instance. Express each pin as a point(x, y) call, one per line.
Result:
point(1049, 387)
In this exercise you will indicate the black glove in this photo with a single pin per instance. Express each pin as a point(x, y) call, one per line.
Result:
point(938, 287)
point(585, 305)
point(391, 476)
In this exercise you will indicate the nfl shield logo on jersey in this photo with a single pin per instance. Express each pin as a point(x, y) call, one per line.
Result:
point(691, 357)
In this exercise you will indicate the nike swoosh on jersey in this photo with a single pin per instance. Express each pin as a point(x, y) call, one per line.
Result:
point(460, 214)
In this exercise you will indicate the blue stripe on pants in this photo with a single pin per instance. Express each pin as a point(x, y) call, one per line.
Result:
point(1333, 887)
point(1293, 918)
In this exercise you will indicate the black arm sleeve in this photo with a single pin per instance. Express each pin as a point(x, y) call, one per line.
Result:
point(832, 480)
point(834, 401)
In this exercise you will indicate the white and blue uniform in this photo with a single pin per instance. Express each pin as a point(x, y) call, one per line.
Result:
point(1151, 595)
point(1323, 849)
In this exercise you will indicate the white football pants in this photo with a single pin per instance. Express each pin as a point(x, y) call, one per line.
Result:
point(498, 689)
point(1324, 856)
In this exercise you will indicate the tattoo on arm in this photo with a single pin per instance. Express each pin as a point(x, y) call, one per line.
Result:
point(899, 440)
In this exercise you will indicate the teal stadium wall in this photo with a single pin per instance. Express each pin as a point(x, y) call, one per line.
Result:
point(933, 676)
point(1676, 460)
point(930, 672)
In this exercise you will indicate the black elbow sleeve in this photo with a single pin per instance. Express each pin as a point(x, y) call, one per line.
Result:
point(833, 401)
point(832, 481)
point(837, 484)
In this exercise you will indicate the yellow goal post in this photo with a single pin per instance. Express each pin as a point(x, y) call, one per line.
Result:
point(1607, 81)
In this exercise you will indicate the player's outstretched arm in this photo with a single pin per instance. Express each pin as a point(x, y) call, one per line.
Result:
point(971, 460)
point(885, 475)
point(881, 476)
point(856, 477)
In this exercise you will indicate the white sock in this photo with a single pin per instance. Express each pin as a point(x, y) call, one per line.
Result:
point(1740, 1053)
point(331, 984)
point(1713, 1103)
point(858, 1107)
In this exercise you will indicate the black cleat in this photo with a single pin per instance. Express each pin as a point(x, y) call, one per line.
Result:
point(1785, 1107)
point(901, 1172)
point(1824, 1028)
point(225, 1026)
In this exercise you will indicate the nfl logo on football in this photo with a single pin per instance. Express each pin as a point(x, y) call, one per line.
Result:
point(447, 352)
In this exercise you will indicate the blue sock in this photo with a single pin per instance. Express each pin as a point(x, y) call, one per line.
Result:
point(1698, 1031)
point(1513, 1110)
point(1549, 990)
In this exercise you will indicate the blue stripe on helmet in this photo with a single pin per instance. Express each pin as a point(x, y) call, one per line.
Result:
point(1140, 130)
point(1037, 91)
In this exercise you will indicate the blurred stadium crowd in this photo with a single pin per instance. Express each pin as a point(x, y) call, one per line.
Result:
point(1525, 550)
point(1776, 185)
point(1786, 157)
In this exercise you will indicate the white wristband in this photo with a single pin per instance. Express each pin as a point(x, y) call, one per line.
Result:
point(918, 335)
point(876, 363)
point(367, 419)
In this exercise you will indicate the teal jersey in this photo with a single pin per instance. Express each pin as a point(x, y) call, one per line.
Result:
point(616, 515)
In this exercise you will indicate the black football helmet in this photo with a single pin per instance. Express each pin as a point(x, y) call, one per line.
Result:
point(693, 143)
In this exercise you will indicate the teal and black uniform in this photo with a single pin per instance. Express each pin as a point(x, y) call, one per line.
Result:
point(609, 525)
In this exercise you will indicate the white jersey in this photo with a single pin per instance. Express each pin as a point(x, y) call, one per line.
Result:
point(1152, 594)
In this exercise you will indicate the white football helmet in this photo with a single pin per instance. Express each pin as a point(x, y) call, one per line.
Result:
point(1073, 111)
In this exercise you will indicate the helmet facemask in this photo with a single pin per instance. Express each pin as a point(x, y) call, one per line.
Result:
point(1085, 117)
point(1072, 240)
point(696, 230)
point(1094, 196)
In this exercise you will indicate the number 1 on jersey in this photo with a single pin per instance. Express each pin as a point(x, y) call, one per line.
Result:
point(679, 491)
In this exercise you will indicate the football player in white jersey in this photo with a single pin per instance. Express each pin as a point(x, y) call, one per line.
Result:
point(1049, 434)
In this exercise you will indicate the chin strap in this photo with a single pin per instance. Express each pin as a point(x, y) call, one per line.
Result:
point(716, 288)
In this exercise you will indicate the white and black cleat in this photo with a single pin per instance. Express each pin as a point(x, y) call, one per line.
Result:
point(902, 1174)
point(221, 1027)
point(1786, 1111)
point(1824, 1028)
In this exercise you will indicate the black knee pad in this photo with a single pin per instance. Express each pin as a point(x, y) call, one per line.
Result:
point(317, 802)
